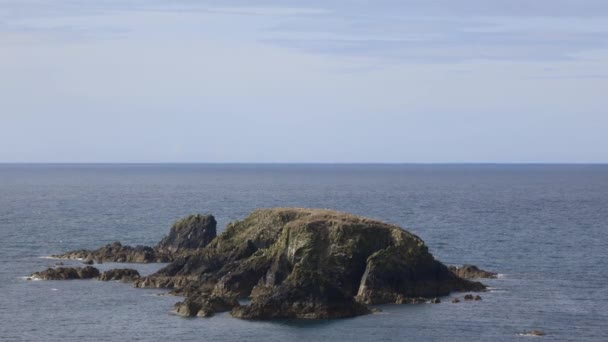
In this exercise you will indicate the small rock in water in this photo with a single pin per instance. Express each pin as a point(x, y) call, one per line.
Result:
point(478, 297)
point(435, 301)
point(468, 297)
point(455, 300)
point(535, 333)
point(88, 262)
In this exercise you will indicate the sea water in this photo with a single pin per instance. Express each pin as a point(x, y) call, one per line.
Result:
point(544, 228)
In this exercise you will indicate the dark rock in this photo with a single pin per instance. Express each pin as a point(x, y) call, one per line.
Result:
point(435, 301)
point(186, 236)
point(67, 273)
point(469, 297)
point(116, 252)
point(472, 272)
point(88, 262)
point(455, 300)
point(291, 263)
point(478, 297)
point(122, 274)
point(310, 263)
point(204, 306)
point(192, 232)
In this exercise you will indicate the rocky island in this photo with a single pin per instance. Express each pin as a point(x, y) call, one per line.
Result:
point(290, 263)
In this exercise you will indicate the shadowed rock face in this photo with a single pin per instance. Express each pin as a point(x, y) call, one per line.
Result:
point(186, 235)
point(192, 232)
point(122, 274)
point(204, 306)
point(67, 273)
point(291, 263)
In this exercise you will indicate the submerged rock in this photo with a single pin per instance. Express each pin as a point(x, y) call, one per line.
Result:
point(534, 333)
point(472, 272)
point(66, 273)
point(122, 274)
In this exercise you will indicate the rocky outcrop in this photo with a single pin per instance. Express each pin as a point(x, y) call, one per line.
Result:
point(66, 273)
point(472, 272)
point(311, 263)
point(204, 306)
point(291, 263)
point(121, 274)
point(190, 233)
point(116, 252)
point(186, 235)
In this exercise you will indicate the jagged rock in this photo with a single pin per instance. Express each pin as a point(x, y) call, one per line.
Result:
point(468, 297)
point(312, 263)
point(292, 263)
point(455, 300)
point(408, 300)
point(435, 301)
point(478, 297)
point(192, 232)
point(186, 235)
point(122, 274)
point(66, 273)
point(116, 252)
point(472, 272)
point(204, 306)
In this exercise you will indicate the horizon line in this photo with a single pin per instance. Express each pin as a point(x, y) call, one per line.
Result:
point(304, 163)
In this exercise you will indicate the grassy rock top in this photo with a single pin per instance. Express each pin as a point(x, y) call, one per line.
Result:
point(291, 263)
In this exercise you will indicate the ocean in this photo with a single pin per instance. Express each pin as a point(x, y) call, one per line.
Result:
point(544, 228)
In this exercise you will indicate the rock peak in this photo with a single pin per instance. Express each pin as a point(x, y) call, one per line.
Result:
point(192, 232)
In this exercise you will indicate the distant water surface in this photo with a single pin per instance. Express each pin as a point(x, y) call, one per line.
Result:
point(544, 227)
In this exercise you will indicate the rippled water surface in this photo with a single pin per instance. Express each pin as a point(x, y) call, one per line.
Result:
point(545, 228)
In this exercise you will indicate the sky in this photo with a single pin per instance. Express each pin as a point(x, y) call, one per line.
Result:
point(384, 81)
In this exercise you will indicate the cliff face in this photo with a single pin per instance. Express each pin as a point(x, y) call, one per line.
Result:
point(292, 263)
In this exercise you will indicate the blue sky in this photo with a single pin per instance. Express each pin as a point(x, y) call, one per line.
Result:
point(304, 81)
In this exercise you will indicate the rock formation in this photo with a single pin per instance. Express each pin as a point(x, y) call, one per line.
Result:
point(190, 233)
point(186, 235)
point(472, 272)
point(291, 263)
point(122, 274)
point(205, 306)
point(66, 273)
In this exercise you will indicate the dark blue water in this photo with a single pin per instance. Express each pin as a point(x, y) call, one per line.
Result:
point(545, 228)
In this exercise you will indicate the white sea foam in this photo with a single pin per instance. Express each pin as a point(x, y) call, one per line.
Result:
point(500, 275)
